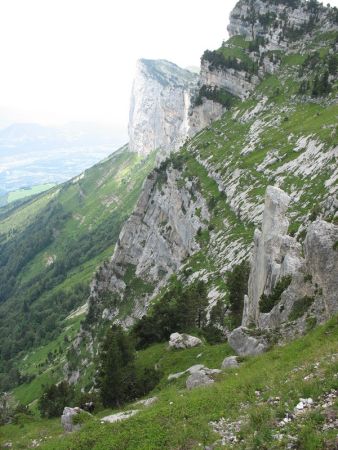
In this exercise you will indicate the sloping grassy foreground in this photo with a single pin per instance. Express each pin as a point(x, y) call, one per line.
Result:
point(259, 393)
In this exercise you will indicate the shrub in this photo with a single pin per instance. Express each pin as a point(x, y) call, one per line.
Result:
point(179, 309)
point(237, 283)
point(300, 307)
point(215, 94)
point(217, 61)
point(118, 379)
point(267, 302)
point(55, 398)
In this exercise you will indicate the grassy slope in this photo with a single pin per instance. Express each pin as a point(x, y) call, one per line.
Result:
point(22, 193)
point(180, 419)
point(103, 196)
point(218, 148)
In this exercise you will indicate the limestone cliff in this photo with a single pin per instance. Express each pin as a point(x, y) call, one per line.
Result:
point(155, 240)
point(196, 215)
point(278, 22)
point(291, 287)
point(159, 106)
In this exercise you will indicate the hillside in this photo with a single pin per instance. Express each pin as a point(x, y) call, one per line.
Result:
point(244, 408)
point(50, 247)
point(232, 237)
point(198, 210)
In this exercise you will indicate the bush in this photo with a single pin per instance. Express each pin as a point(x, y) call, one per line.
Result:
point(118, 379)
point(180, 309)
point(55, 398)
point(300, 307)
point(237, 283)
point(267, 302)
point(217, 61)
point(215, 94)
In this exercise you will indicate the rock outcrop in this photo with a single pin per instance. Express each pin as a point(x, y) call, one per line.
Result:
point(68, 416)
point(160, 104)
point(118, 417)
point(179, 341)
point(237, 82)
point(291, 287)
point(267, 255)
point(198, 379)
point(277, 22)
point(231, 362)
point(154, 241)
point(245, 343)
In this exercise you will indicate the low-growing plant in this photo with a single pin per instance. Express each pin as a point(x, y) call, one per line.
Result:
point(300, 307)
point(267, 302)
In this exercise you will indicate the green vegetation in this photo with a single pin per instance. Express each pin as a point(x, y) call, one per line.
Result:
point(219, 59)
point(179, 309)
point(55, 398)
point(237, 283)
point(300, 307)
point(215, 94)
point(267, 302)
point(255, 144)
point(118, 377)
point(50, 245)
point(180, 418)
point(27, 192)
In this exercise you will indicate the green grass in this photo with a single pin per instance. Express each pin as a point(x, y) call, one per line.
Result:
point(23, 193)
point(95, 206)
point(180, 419)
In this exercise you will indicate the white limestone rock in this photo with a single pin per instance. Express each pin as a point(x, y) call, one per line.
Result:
point(234, 81)
point(245, 344)
point(67, 419)
point(285, 17)
point(118, 417)
point(181, 341)
point(159, 107)
point(147, 402)
point(267, 257)
point(231, 362)
point(198, 379)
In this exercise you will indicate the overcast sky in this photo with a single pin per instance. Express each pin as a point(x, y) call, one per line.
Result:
point(74, 60)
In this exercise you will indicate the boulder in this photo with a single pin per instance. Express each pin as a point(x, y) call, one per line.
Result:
point(119, 416)
point(245, 344)
point(197, 368)
point(230, 362)
point(183, 340)
point(198, 379)
point(67, 419)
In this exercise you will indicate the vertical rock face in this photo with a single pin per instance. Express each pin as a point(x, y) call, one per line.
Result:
point(154, 241)
point(311, 296)
point(267, 255)
point(321, 256)
point(160, 104)
point(236, 82)
point(203, 115)
point(273, 20)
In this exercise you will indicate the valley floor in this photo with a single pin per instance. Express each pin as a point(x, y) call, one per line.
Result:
point(257, 406)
